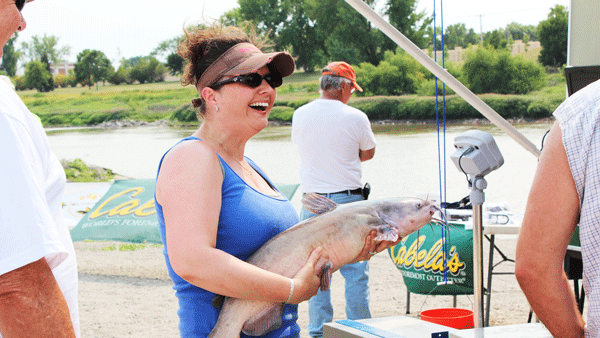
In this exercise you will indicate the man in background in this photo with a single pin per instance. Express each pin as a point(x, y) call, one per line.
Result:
point(333, 139)
point(38, 269)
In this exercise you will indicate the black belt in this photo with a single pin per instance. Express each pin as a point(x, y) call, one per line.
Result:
point(365, 191)
point(357, 191)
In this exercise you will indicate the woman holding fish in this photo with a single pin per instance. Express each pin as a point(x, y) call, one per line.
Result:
point(215, 206)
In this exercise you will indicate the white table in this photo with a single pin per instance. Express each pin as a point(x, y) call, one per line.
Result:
point(490, 231)
point(403, 326)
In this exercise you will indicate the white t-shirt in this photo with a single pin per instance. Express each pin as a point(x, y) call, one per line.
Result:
point(579, 119)
point(329, 135)
point(32, 182)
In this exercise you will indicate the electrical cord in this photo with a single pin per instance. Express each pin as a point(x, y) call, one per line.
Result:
point(544, 139)
point(467, 151)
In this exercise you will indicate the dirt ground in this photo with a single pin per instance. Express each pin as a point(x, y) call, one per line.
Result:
point(128, 293)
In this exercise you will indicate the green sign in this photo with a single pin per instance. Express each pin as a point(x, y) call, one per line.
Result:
point(575, 241)
point(124, 213)
point(419, 257)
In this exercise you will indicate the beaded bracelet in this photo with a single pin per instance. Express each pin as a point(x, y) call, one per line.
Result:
point(291, 291)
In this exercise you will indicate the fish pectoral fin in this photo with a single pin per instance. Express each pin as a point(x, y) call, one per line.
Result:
point(387, 234)
point(264, 321)
point(316, 203)
point(217, 301)
point(326, 275)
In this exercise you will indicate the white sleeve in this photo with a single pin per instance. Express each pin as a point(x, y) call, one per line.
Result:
point(367, 141)
point(27, 231)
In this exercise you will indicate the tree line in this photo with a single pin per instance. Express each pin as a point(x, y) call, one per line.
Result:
point(315, 32)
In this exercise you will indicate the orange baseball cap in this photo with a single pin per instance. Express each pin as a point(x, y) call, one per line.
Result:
point(341, 68)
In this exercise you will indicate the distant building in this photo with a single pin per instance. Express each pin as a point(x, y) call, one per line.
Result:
point(61, 68)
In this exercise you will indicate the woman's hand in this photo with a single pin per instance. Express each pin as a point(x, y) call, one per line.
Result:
point(373, 247)
point(308, 279)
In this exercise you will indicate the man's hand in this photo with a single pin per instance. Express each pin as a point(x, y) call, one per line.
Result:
point(373, 247)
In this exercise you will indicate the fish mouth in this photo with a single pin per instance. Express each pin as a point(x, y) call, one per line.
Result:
point(439, 221)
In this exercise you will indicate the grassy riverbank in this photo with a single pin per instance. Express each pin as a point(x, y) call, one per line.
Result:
point(83, 106)
point(77, 171)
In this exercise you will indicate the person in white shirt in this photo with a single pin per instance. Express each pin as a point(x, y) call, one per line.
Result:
point(333, 139)
point(38, 269)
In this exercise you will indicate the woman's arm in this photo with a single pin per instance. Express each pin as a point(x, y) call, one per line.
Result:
point(551, 215)
point(191, 198)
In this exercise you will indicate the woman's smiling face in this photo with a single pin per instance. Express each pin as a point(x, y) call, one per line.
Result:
point(244, 103)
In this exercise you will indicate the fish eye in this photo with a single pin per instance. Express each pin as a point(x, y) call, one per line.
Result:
point(419, 205)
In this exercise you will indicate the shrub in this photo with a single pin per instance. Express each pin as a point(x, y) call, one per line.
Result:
point(147, 69)
point(527, 76)
point(62, 80)
point(20, 83)
point(427, 88)
point(78, 171)
point(282, 114)
point(185, 113)
point(397, 74)
point(424, 108)
point(38, 77)
point(488, 70)
point(118, 77)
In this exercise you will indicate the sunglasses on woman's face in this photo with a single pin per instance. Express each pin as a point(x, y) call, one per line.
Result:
point(21, 3)
point(252, 80)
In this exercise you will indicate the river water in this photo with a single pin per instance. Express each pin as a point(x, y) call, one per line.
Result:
point(405, 164)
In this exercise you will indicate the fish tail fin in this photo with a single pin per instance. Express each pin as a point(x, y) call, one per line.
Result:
point(265, 321)
point(316, 203)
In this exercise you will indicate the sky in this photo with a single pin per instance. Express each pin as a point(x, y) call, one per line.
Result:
point(129, 28)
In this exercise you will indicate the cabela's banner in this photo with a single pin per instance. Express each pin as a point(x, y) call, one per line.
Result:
point(419, 257)
point(124, 213)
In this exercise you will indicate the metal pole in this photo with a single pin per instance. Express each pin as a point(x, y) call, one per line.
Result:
point(481, 29)
point(477, 185)
point(441, 73)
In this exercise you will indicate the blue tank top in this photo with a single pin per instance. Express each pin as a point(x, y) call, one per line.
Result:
point(248, 219)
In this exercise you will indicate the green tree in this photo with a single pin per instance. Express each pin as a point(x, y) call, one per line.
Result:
point(346, 34)
point(232, 17)
point(174, 62)
point(403, 15)
point(521, 32)
point(92, 66)
point(147, 69)
point(458, 35)
point(301, 35)
point(62, 80)
point(488, 70)
point(322, 30)
point(10, 57)
point(397, 74)
point(118, 77)
point(479, 70)
point(268, 16)
point(553, 33)
point(38, 77)
point(527, 75)
point(45, 48)
point(167, 47)
point(496, 39)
